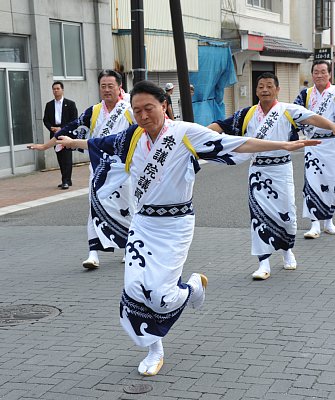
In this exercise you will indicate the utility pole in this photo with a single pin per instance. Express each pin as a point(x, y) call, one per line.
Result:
point(137, 40)
point(181, 60)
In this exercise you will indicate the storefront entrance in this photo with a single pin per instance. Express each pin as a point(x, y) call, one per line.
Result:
point(16, 128)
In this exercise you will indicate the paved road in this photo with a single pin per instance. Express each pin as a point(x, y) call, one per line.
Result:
point(271, 340)
point(220, 200)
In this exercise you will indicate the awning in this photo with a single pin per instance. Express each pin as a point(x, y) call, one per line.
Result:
point(283, 47)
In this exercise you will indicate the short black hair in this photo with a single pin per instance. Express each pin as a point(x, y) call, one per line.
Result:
point(149, 88)
point(110, 72)
point(58, 83)
point(268, 75)
point(318, 62)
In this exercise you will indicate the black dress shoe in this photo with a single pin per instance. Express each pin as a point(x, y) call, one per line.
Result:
point(60, 185)
point(64, 186)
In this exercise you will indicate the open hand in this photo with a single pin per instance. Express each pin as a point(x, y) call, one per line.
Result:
point(298, 144)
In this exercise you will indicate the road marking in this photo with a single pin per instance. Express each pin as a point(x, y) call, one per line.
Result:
point(43, 201)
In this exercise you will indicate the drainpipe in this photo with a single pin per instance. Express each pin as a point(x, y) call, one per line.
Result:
point(97, 33)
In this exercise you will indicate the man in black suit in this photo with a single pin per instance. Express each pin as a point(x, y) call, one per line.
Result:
point(57, 114)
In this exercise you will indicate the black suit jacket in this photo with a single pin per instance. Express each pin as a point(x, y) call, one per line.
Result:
point(69, 113)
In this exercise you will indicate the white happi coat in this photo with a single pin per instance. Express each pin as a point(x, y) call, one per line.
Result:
point(319, 187)
point(109, 207)
point(271, 187)
point(154, 295)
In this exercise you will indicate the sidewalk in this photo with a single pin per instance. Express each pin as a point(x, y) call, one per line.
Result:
point(40, 187)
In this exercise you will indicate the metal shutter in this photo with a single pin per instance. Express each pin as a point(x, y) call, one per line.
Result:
point(228, 99)
point(288, 75)
point(161, 78)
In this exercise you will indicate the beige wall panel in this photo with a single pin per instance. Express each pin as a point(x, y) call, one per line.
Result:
point(122, 47)
point(244, 80)
point(199, 17)
point(160, 53)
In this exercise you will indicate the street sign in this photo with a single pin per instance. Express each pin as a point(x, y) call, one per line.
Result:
point(324, 53)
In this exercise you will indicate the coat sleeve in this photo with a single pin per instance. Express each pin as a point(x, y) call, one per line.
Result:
point(301, 98)
point(233, 125)
point(213, 146)
point(79, 127)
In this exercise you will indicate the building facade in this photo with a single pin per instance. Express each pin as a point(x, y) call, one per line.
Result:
point(42, 41)
point(315, 35)
point(71, 40)
point(202, 27)
point(260, 36)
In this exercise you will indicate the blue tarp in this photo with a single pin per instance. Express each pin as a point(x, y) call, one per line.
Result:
point(216, 71)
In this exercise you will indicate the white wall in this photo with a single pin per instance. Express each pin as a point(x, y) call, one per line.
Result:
point(255, 19)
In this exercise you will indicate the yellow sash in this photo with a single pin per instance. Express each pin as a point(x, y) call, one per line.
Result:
point(309, 92)
point(136, 137)
point(96, 112)
point(251, 112)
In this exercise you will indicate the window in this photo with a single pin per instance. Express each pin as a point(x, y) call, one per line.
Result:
point(66, 47)
point(266, 4)
point(13, 49)
point(322, 14)
point(229, 5)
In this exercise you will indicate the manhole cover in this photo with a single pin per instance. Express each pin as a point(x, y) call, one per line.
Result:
point(138, 389)
point(25, 313)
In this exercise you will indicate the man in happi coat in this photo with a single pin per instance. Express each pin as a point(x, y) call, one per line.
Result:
point(161, 157)
point(319, 186)
point(271, 188)
point(110, 211)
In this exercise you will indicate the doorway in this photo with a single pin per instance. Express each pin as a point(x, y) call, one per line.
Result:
point(16, 128)
point(257, 69)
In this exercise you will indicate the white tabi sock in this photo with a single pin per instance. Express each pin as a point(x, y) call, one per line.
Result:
point(315, 227)
point(328, 225)
point(93, 255)
point(314, 232)
point(198, 282)
point(153, 361)
point(289, 259)
point(263, 271)
point(264, 265)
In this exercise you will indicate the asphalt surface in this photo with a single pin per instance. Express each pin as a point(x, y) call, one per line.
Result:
point(220, 199)
point(271, 340)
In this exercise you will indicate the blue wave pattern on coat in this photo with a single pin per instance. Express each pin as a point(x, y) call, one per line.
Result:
point(268, 230)
point(101, 166)
point(315, 205)
point(142, 317)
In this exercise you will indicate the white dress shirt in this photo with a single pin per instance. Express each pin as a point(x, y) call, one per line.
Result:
point(58, 111)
